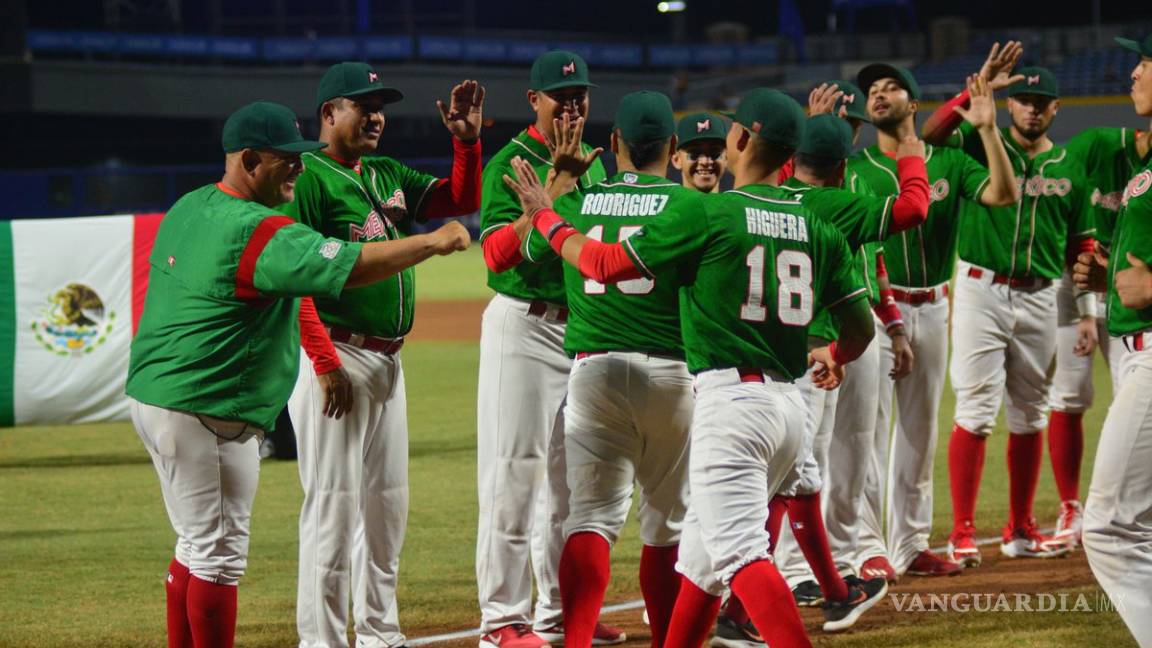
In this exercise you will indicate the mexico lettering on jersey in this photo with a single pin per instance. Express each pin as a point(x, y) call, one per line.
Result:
point(500, 206)
point(639, 314)
point(861, 218)
point(219, 333)
point(1027, 239)
point(378, 200)
point(925, 256)
point(754, 266)
point(1110, 159)
point(1133, 235)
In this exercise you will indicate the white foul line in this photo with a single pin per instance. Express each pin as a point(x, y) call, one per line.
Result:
point(618, 607)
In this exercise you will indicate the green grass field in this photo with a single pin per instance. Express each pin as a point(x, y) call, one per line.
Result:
point(84, 540)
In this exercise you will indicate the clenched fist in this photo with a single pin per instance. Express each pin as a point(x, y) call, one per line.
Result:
point(451, 237)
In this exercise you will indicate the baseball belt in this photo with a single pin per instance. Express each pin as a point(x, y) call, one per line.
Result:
point(921, 295)
point(1136, 341)
point(1027, 283)
point(548, 310)
point(387, 346)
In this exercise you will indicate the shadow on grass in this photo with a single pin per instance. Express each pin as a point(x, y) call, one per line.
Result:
point(34, 534)
point(79, 461)
point(432, 449)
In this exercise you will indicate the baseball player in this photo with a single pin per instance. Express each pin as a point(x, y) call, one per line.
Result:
point(745, 346)
point(213, 361)
point(1117, 530)
point(919, 263)
point(523, 379)
point(1004, 331)
point(1111, 156)
point(700, 156)
point(630, 394)
point(818, 167)
point(353, 457)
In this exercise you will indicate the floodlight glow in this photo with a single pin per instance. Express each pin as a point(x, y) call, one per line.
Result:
point(671, 7)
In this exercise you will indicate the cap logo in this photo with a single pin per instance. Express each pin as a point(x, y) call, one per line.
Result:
point(702, 126)
point(372, 77)
point(1033, 80)
point(569, 68)
point(756, 126)
point(848, 98)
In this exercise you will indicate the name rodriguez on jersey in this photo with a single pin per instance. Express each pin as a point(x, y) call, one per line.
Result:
point(609, 204)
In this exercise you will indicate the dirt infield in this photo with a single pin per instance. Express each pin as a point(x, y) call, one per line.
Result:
point(994, 577)
point(448, 321)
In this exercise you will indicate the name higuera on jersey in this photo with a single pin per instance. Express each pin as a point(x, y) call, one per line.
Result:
point(779, 225)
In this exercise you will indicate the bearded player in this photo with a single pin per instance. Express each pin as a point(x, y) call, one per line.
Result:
point(745, 348)
point(1117, 515)
point(919, 263)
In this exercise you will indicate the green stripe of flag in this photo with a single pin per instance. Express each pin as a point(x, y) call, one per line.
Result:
point(7, 326)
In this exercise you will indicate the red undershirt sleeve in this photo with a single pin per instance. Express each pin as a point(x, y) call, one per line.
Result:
point(942, 123)
point(911, 206)
point(460, 193)
point(607, 263)
point(502, 249)
point(886, 309)
point(314, 338)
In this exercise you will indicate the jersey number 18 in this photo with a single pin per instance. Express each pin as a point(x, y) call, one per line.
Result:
point(794, 287)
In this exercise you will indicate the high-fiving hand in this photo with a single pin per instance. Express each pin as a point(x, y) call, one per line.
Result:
point(526, 184)
point(997, 69)
point(465, 115)
point(567, 154)
point(981, 111)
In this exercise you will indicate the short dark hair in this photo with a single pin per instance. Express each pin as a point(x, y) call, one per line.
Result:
point(818, 164)
point(771, 155)
point(643, 154)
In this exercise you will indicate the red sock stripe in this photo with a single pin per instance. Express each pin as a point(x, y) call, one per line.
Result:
point(693, 616)
point(808, 528)
point(965, 468)
point(584, 573)
point(771, 606)
point(1066, 448)
point(660, 585)
point(1025, 452)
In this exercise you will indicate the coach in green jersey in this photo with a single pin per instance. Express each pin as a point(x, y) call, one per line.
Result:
point(215, 356)
point(758, 262)
point(1117, 527)
point(353, 447)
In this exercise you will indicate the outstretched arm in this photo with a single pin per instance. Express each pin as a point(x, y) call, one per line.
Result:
point(382, 259)
point(459, 193)
point(1001, 189)
point(997, 70)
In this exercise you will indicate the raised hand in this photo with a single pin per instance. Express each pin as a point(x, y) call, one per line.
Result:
point(910, 146)
point(981, 111)
point(823, 99)
point(464, 116)
point(451, 237)
point(526, 184)
point(567, 155)
point(997, 68)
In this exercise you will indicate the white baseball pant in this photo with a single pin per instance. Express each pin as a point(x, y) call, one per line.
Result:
point(907, 468)
point(208, 469)
point(354, 472)
point(520, 464)
point(1118, 513)
point(812, 471)
point(627, 420)
point(746, 437)
point(1072, 388)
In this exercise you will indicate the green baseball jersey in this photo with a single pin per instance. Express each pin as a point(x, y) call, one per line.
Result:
point(1133, 235)
point(635, 315)
point(1027, 239)
point(925, 256)
point(219, 334)
point(755, 264)
point(1110, 160)
point(376, 201)
point(860, 217)
point(499, 206)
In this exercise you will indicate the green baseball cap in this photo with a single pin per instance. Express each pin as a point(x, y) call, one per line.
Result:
point(826, 136)
point(559, 69)
point(352, 79)
point(1141, 47)
point(1036, 81)
point(772, 115)
point(265, 125)
point(872, 73)
point(853, 99)
point(645, 116)
point(700, 126)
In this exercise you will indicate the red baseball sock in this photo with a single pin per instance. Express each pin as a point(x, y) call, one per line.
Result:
point(692, 617)
point(770, 603)
point(659, 584)
point(584, 573)
point(808, 527)
point(735, 611)
point(777, 507)
point(965, 467)
point(1025, 453)
point(1066, 447)
point(176, 587)
point(212, 613)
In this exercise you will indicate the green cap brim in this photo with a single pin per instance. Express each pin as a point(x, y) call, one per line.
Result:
point(699, 138)
point(303, 146)
point(565, 84)
point(390, 95)
point(1129, 44)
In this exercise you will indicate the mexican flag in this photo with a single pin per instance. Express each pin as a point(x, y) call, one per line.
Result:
point(71, 292)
